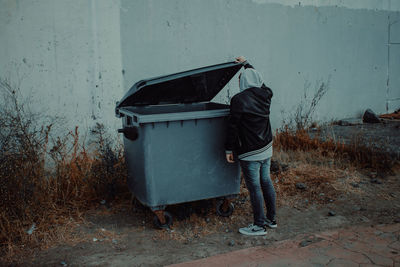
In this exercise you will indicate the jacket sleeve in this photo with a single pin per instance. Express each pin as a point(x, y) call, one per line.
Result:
point(232, 136)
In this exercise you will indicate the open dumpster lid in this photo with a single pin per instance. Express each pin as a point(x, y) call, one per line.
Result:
point(198, 85)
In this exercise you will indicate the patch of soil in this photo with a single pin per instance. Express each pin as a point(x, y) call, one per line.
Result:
point(123, 235)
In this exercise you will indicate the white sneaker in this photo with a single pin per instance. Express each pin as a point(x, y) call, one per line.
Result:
point(253, 230)
point(271, 224)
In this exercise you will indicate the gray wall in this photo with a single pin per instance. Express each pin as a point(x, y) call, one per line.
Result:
point(67, 57)
point(294, 47)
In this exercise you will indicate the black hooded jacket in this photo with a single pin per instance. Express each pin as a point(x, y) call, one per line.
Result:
point(249, 129)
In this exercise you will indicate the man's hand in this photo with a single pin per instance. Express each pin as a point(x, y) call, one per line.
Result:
point(240, 59)
point(229, 158)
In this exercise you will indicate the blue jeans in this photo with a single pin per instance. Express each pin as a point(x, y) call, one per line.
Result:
point(258, 182)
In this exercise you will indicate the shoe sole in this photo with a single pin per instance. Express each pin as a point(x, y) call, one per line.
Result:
point(258, 233)
point(272, 226)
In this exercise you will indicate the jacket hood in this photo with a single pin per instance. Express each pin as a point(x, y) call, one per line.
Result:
point(250, 78)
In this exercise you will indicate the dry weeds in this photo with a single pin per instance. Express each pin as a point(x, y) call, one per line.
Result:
point(47, 184)
point(356, 152)
point(51, 214)
point(391, 116)
point(324, 180)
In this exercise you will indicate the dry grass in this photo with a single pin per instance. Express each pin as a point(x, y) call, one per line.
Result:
point(357, 153)
point(47, 184)
point(324, 178)
point(58, 199)
point(328, 168)
point(391, 116)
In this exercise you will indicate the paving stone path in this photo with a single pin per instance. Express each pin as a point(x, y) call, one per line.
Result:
point(356, 246)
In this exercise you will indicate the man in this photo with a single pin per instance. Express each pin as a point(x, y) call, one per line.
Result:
point(249, 136)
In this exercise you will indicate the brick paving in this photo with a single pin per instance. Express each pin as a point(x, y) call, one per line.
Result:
point(356, 246)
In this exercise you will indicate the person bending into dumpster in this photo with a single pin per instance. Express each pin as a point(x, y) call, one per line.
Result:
point(249, 137)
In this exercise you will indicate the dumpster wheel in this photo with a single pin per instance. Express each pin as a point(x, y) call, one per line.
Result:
point(162, 219)
point(224, 208)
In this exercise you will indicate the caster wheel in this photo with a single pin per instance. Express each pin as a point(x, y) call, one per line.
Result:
point(168, 221)
point(224, 209)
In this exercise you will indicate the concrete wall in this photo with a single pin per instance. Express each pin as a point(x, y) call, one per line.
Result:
point(393, 88)
point(68, 56)
point(295, 47)
point(65, 56)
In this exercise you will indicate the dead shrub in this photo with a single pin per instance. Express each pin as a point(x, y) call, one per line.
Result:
point(47, 183)
point(302, 116)
point(322, 183)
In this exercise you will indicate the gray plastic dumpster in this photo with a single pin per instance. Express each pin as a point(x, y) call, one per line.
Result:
point(174, 140)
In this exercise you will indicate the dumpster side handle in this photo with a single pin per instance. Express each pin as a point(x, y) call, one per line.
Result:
point(131, 133)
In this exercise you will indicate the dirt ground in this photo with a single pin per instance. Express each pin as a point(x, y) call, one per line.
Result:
point(336, 195)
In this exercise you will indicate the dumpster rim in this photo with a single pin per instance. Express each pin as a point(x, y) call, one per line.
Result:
point(175, 116)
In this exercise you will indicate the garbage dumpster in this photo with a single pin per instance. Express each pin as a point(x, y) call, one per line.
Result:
point(174, 140)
